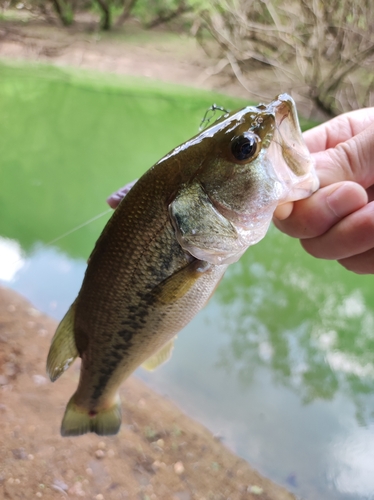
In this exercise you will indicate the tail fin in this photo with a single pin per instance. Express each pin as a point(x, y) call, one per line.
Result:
point(78, 421)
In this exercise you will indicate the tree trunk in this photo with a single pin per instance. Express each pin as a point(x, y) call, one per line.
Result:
point(106, 20)
point(61, 12)
point(127, 8)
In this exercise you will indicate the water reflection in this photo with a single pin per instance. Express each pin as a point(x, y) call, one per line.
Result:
point(353, 456)
point(312, 326)
point(11, 259)
point(45, 275)
point(279, 363)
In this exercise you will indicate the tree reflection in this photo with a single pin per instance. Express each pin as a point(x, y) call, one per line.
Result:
point(311, 322)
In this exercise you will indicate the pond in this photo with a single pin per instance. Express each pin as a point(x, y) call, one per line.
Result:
point(279, 364)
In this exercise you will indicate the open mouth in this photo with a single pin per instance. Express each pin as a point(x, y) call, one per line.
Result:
point(288, 153)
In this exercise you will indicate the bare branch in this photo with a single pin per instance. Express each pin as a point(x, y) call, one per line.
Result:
point(312, 45)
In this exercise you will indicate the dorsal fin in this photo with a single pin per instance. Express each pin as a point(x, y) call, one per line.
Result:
point(63, 350)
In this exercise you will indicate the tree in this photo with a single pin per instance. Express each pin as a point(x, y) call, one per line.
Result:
point(65, 10)
point(325, 48)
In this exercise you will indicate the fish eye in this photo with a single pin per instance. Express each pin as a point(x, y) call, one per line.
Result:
point(245, 146)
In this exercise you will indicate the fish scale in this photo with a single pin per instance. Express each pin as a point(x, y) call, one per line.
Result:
point(167, 246)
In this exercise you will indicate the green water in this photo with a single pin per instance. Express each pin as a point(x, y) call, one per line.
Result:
point(280, 363)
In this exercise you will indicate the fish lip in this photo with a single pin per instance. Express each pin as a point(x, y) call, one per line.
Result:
point(292, 162)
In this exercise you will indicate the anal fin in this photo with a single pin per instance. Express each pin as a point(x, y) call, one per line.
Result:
point(63, 350)
point(159, 357)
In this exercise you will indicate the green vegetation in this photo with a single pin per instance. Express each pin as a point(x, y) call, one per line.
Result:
point(69, 139)
point(323, 50)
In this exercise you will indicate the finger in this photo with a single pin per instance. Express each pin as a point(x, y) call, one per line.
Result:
point(283, 211)
point(352, 160)
point(339, 129)
point(326, 207)
point(115, 198)
point(362, 263)
point(370, 192)
point(351, 236)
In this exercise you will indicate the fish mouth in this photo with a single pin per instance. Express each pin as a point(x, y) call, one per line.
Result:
point(292, 162)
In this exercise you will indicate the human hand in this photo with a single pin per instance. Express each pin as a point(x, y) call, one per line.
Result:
point(115, 198)
point(337, 221)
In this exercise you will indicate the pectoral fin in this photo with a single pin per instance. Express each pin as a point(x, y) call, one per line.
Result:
point(177, 285)
point(63, 350)
point(160, 357)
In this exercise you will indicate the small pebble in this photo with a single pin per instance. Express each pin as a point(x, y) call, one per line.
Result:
point(100, 454)
point(39, 494)
point(77, 490)
point(33, 312)
point(160, 442)
point(39, 380)
point(256, 490)
point(11, 480)
point(60, 485)
point(101, 445)
point(11, 308)
point(99, 497)
point(89, 471)
point(9, 369)
point(178, 468)
point(17, 481)
point(30, 456)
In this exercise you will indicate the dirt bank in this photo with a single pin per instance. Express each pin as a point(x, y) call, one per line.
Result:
point(158, 454)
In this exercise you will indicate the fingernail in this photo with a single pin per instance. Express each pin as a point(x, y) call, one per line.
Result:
point(346, 199)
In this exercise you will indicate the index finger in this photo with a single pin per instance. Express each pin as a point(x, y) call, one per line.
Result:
point(339, 129)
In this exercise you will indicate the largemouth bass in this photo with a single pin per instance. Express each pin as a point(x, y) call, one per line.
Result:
point(166, 247)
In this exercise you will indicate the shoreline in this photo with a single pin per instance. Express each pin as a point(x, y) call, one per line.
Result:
point(159, 453)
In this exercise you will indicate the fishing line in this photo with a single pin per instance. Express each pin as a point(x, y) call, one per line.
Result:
point(79, 227)
point(49, 243)
point(206, 119)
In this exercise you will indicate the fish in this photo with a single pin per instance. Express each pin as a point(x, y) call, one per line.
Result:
point(167, 246)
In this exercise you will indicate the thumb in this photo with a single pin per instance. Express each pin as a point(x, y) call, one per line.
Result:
point(352, 160)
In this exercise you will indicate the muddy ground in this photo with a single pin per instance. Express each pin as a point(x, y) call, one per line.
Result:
point(159, 453)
